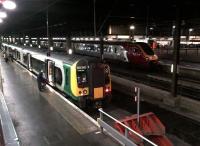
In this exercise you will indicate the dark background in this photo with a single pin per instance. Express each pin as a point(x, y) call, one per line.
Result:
point(76, 17)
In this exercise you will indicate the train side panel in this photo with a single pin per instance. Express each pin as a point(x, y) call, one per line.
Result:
point(67, 81)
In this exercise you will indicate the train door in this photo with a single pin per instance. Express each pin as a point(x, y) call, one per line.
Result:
point(29, 65)
point(97, 81)
point(50, 71)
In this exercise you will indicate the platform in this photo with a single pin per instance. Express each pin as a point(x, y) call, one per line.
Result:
point(41, 122)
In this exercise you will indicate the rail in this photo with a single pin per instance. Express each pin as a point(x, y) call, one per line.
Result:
point(183, 51)
point(10, 137)
point(123, 138)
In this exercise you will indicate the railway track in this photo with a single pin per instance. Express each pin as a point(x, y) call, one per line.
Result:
point(176, 125)
point(186, 86)
point(180, 126)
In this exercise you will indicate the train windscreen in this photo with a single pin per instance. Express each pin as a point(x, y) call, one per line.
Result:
point(146, 48)
point(82, 76)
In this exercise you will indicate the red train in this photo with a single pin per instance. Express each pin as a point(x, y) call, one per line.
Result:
point(137, 53)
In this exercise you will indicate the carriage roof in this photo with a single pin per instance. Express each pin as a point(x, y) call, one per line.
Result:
point(61, 56)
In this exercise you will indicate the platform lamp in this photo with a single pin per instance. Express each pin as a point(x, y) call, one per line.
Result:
point(2, 16)
point(190, 31)
point(151, 32)
point(132, 28)
point(8, 4)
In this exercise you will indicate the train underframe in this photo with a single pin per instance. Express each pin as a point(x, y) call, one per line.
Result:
point(86, 101)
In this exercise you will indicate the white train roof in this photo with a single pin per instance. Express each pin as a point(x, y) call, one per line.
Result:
point(55, 56)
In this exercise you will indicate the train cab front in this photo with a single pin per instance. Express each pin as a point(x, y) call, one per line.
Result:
point(100, 84)
point(82, 88)
point(150, 58)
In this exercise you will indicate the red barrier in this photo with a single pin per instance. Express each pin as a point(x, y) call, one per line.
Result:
point(149, 126)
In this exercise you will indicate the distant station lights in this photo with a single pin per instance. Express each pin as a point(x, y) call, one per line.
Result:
point(191, 29)
point(86, 39)
point(132, 27)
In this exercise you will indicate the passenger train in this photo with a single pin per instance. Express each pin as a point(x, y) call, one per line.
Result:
point(83, 79)
point(136, 53)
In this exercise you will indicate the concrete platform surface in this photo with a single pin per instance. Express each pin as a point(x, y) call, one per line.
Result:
point(38, 121)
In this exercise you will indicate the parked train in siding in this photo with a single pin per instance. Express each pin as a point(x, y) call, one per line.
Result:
point(136, 53)
point(83, 79)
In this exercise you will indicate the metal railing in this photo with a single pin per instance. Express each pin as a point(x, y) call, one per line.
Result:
point(122, 138)
point(9, 134)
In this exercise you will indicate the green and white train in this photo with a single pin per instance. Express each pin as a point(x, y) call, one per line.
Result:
point(82, 78)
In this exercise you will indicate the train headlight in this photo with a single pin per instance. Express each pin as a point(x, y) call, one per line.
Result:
point(84, 91)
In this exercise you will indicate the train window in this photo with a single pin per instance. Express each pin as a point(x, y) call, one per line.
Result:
point(61, 45)
point(81, 77)
point(119, 49)
point(111, 49)
point(58, 76)
point(18, 55)
point(146, 48)
point(91, 48)
point(37, 64)
point(105, 49)
point(96, 47)
point(25, 58)
point(135, 50)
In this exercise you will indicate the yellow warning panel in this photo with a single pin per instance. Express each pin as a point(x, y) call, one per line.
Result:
point(98, 93)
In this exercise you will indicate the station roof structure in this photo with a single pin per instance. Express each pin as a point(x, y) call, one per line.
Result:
point(77, 16)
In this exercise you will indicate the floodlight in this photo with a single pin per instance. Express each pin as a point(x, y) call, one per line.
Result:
point(8, 4)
